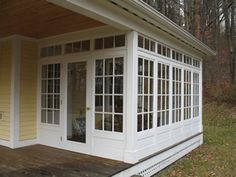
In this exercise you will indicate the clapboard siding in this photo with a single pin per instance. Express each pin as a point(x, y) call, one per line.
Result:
point(28, 88)
point(5, 87)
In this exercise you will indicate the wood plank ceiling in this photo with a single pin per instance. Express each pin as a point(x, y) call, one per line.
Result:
point(39, 19)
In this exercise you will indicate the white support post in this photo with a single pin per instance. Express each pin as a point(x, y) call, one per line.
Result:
point(200, 101)
point(15, 91)
point(131, 97)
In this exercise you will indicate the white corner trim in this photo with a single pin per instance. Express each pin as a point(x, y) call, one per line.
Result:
point(15, 91)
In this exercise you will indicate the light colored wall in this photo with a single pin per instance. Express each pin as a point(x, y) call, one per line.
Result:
point(28, 90)
point(5, 87)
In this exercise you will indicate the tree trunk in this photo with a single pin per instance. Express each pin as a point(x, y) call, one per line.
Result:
point(197, 19)
point(233, 37)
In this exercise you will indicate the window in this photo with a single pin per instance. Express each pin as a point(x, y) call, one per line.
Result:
point(51, 51)
point(195, 94)
point(176, 97)
point(78, 46)
point(187, 95)
point(109, 42)
point(50, 94)
point(162, 95)
point(109, 78)
point(145, 95)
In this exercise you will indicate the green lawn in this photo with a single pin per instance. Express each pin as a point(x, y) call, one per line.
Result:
point(217, 156)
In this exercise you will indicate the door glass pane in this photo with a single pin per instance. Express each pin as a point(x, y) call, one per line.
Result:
point(76, 102)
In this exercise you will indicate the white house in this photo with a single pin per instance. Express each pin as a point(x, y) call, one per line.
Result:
point(109, 78)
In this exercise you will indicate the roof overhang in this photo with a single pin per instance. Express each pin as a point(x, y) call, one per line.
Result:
point(130, 15)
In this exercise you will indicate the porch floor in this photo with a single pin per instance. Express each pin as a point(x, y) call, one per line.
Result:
point(44, 161)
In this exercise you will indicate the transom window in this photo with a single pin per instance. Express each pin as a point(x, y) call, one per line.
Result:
point(195, 94)
point(187, 95)
point(176, 97)
point(109, 92)
point(145, 94)
point(163, 95)
point(50, 94)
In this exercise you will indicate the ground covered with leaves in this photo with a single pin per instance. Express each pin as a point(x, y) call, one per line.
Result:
point(217, 156)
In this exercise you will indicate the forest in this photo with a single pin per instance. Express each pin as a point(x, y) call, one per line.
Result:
point(214, 23)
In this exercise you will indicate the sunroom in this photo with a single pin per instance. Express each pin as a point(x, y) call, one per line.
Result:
point(114, 79)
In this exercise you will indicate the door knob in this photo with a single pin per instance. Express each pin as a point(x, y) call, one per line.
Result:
point(88, 108)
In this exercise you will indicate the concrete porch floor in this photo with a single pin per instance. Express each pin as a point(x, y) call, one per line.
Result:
point(43, 161)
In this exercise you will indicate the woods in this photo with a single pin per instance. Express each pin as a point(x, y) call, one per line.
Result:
point(214, 23)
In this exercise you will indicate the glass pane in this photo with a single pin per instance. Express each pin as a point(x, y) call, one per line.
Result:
point(49, 116)
point(57, 117)
point(56, 101)
point(140, 104)
point(150, 103)
point(98, 103)
point(145, 103)
point(153, 46)
point(99, 85)
point(145, 121)
point(146, 69)
point(57, 86)
point(145, 85)
point(151, 86)
point(140, 66)
point(150, 120)
point(50, 101)
point(50, 86)
point(76, 102)
point(57, 71)
point(108, 42)
point(118, 104)
point(99, 67)
point(139, 123)
point(50, 51)
point(151, 68)
point(109, 66)
point(120, 41)
point(158, 119)
point(99, 43)
point(108, 85)
point(118, 85)
point(140, 41)
point(107, 103)
point(77, 46)
point(85, 45)
point(119, 66)
point(108, 122)
point(44, 71)
point(159, 49)
point(43, 116)
point(147, 44)
point(98, 121)
point(44, 101)
point(50, 71)
point(159, 70)
point(140, 85)
point(44, 86)
point(69, 48)
point(118, 123)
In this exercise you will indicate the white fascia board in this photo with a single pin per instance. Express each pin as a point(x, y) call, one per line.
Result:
point(166, 24)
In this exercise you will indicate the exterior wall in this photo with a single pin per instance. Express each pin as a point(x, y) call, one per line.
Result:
point(5, 88)
point(28, 91)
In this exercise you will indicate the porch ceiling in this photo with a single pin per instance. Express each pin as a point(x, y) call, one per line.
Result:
point(39, 19)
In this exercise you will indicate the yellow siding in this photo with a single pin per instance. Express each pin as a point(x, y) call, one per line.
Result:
point(28, 90)
point(5, 88)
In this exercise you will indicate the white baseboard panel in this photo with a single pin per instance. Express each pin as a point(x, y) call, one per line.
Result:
point(5, 143)
point(154, 164)
point(24, 143)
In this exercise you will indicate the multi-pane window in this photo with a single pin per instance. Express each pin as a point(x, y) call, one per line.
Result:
point(145, 94)
point(176, 94)
point(195, 94)
point(187, 94)
point(109, 90)
point(109, 42)
point(163, 95)
point(50, 94)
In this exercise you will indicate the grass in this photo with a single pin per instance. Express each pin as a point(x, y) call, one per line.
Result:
point(217, 155)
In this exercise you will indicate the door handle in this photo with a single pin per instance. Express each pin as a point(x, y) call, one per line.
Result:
point(88, 108)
